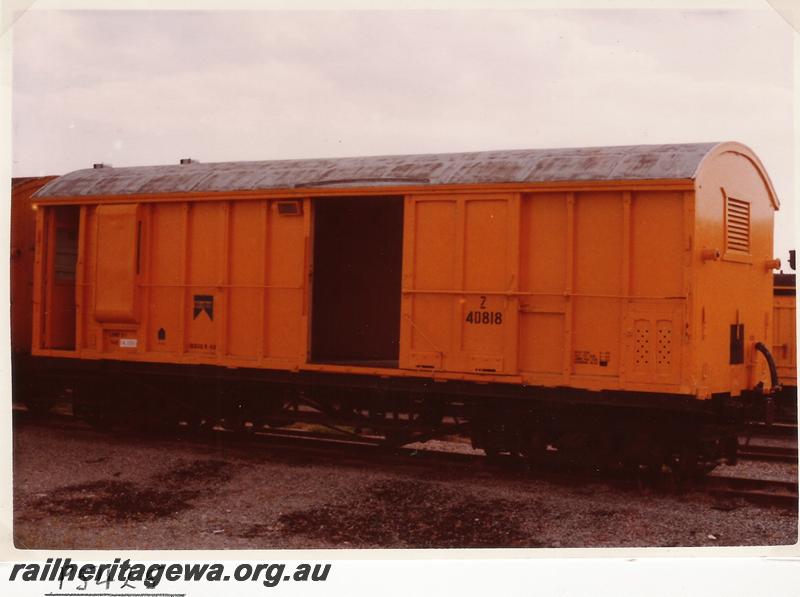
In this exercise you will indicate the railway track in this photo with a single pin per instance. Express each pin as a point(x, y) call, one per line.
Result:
point(768, 492)
point(292, 441)
point(784, 430)
point(306, 444)
point(787, 454)
point(781, 443)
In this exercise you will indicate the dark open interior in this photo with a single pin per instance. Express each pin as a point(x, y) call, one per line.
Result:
point(358, 255)
point(61, 264)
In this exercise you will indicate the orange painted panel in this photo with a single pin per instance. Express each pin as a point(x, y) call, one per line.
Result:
point(165, 331)
point(485, 264)
point(543, 276)
point(23, 229)
point(654, 325)
point(246, 254)
point(655, 344)
point(737, 288)
point(246, 277)
point(486, 245)
point(245, 306)
point(206, 252)
point(598, 282)
point(785, 339)
point(542, 342)
point(657, 244)
point(598, 243)
point(285, 335)
point(431, 325)
point(543, 243)
point(457, 314)
point(434, 236)
point(430, 265)
point(166, 234)
point(116, 268)
point(205, 247)
point(596, 331)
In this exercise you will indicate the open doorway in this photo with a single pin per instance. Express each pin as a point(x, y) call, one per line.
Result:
point(358, 257)
point(61, 250)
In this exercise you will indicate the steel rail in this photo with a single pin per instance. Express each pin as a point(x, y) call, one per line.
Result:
point(767, 492)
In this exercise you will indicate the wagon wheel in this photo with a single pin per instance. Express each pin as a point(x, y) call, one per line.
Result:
point(603, 450)
point(533, 448)
point(90, 404)
point(279, 413)
point(237, 418)
point(40, 398)
point(340, 408)
point(39, 405)
point(498, 449)
point(686, 468)
point(394, 438)
point(196, 423)
point(98, 420)
point(427, 412)
point(99, 417)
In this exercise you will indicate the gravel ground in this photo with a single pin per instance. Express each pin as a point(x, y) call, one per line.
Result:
point(80, 489)
point(754, 469)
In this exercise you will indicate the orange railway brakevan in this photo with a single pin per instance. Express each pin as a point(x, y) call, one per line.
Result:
point(618, 295)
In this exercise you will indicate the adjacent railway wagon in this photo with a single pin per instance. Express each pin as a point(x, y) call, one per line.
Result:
point(785, 341)
point(611, 303)
point(21, 280)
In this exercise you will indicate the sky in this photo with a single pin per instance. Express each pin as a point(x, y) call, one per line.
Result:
point(150, 87)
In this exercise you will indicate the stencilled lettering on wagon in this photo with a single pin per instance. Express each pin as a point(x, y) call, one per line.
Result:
point(587, 357)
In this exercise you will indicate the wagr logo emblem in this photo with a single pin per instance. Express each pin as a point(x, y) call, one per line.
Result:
point(203, 302)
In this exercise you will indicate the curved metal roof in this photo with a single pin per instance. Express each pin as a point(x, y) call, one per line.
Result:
point(632, 162)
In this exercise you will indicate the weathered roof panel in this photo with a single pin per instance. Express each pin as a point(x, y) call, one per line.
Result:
point(631, 162)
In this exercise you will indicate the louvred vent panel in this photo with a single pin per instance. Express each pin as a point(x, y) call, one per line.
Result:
point(738, 225)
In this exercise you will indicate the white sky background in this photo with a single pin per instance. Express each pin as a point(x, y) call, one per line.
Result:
point(139, 87)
